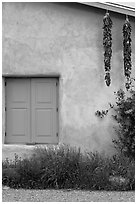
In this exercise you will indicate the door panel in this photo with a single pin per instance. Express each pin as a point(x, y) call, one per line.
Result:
point(18, 121)
point(43, 92)
point(44, 102)
point(18, 111)
point(44, 122)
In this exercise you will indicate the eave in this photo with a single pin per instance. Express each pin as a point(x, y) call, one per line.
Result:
point(115, 7)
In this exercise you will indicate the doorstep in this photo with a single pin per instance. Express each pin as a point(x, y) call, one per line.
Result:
point(23, 151)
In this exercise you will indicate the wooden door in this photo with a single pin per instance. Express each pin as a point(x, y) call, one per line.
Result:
point(31, 105)
point(18, 111)
point(44, 110)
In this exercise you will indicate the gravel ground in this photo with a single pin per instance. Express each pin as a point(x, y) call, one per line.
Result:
point(21, 195)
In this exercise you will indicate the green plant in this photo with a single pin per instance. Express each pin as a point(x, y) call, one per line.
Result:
point(10, 176)
point(66, 167)
point(125, 117)
point(122, 167)
point(62, 166)
point(103, 113)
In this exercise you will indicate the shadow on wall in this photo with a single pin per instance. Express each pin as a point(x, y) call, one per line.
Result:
point(97, 137)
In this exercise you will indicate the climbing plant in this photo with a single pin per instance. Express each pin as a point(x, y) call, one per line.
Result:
point(127, 51)
point(125, 105)
point(125, 118)
point(107, 43)
point(124, 115)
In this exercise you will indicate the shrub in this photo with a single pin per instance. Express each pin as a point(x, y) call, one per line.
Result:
point(122, 167)
point(60, 166)
point(66, 167)
point(9, 175)
point(125, 117)
point(93, 172)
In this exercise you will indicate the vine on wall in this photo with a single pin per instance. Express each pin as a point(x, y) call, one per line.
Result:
point(103, 113)
point(107, 43)
point(127, 51)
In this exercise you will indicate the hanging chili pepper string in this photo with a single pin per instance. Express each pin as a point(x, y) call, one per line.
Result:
point(127, 51)
point(107, 43)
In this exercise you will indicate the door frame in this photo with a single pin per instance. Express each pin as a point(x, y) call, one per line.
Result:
point(4, 114)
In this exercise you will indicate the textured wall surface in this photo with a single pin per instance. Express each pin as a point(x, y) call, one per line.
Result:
point(65, 39)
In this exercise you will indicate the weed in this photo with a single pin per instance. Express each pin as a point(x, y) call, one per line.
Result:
point(66, 167)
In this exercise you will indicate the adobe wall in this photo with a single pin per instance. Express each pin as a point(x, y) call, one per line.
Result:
point(65, 39)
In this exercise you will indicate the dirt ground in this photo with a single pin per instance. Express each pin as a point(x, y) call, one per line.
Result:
point(21, 195)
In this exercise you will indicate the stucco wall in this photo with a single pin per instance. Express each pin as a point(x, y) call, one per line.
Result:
point(65, 39)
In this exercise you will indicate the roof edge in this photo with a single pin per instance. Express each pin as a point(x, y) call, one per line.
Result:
point(112, 7)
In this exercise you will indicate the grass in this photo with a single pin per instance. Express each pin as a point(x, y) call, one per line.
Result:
point(64, 167)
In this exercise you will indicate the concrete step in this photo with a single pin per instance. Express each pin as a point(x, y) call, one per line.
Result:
point(23, 151)
point(9, 151)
